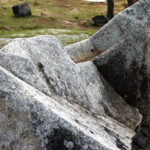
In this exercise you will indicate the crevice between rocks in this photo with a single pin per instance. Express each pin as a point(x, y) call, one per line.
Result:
point(52, 90)
point(87, 57)
point(41, 69)
point(138, 100)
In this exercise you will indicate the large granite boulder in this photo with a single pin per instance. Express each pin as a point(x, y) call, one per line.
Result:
point(125, 62)
point(49, 102)
point(31, 120)
point(121, 64)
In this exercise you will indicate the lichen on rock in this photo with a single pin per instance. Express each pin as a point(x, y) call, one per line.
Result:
point(49, 102)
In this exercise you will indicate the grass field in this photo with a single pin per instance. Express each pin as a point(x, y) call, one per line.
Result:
point(57, 14)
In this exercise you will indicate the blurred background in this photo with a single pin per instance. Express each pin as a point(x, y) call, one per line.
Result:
point(69, 20)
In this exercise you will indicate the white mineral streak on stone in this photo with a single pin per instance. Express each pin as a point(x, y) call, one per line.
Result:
point(41, 64)
point(43, 92)
point(50, 70)
point(26, 108)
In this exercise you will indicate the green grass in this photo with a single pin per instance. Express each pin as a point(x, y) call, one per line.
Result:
point(74, 15)
point(30, 33)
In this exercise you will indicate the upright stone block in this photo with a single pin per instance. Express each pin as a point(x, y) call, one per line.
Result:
point(21, 10)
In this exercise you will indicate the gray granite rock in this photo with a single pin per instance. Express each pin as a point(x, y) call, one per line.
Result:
point(121, 64)
point(115, 30)
point(142, 138)
point(79, 48)
point(125, 64)
point(42, 62)
point(31, 120)
point(47, 101)
point(121, 25)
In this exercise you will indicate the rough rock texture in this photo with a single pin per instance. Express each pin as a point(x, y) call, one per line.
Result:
point(142, 138)
point(32, 120)
point(123, 61)
point(49, 102)
point(121, 25)
point(125, 65)
point(114, 31)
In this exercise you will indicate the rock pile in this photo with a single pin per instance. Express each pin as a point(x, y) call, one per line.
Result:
point(49, 102)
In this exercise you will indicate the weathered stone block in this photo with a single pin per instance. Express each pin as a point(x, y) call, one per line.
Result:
point(43, 93)
point(99, 20)
point(21, 10)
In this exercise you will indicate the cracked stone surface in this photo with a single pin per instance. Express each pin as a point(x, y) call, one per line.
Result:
point(49, 102)
point(44, 93)
point(127, 62)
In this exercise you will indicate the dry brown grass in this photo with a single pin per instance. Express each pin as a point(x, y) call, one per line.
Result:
point(87, 57)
